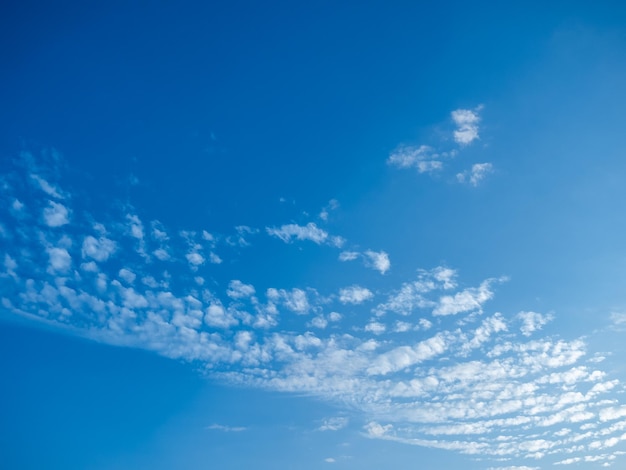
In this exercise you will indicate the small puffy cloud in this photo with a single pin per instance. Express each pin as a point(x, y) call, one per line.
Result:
point(17, 205)
point(214, 258)
point(334, 424)
point(295, 300)
point(56, 214)
point(97, 248)
point(464, 301)
point(329, 460)
point(309, 231)
point(318, 322)
point(348, 255)
point(354, 295)
point(161, 254)
point(127, 275)
point(376, 327)
point(467, 125)
point(532, 321)
point(216, 316)
point(334, 316)
point(476, 174)
point(374, 429)
point(195, 259)
point(378, 260)
point(135, 226)
point(423, 158)
point(60, 259)
point(239, 290)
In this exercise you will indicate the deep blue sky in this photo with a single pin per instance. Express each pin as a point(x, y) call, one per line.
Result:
point(347, 266)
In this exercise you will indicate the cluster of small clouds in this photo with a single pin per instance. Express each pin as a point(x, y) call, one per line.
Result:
point(427, 159)
point(424, 362)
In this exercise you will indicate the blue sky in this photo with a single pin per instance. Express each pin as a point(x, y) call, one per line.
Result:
point(335, 235)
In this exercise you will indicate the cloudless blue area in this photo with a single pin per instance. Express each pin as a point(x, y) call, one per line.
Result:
point(206, 114)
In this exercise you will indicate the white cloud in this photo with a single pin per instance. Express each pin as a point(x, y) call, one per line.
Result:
point(46, 187)
point(332, 205)
point(56, 214)
point(354, 295)
point(239, 290)
point(60, 259)
point(532, 321)
point(348, 255)
point(476, 174)
point(467, 125)
point(467, 300)
point(375, 327)
point(310, 231)
point(378, 260)
point(404, 356)
point(127, 275)
point(98, 248)
point(17, 205)
point(424, 158)
point(334, 424)
point(472, 384)
point(224, 428)
point(135, 226)
point(161, 254)
point(217, 316)
point(214, 258)
point(195, 259)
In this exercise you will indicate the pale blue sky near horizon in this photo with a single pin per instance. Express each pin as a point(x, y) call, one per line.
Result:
point(298, 236)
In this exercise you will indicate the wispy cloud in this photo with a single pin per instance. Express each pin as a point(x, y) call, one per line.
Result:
point(221, 427)
point(310, 231)
point(378, 260)
point(475, 175)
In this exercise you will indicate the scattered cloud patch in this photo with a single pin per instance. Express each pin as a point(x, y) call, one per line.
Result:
point(56, 214)
point(354, 295)
point(239, 290)
point(221, 427)
point(334, 424)
point(532, 321)
point(476, 174)
point(466, 122)
point(310, 231)
point(99, 249)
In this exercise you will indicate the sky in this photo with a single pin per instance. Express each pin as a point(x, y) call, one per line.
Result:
point(303, 235)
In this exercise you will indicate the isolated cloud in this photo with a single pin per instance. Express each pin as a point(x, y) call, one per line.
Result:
point(467, 125)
